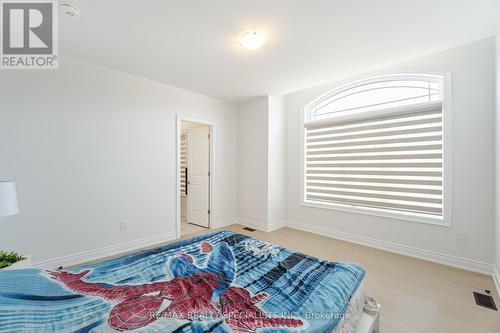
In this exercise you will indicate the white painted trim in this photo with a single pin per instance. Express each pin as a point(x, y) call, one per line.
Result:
point(277, 225)
point(25, 263)
point(253, 224)
point(262, 225)
point(440, 258)
point(436, 257)
point(496, 279)
point(447, 150)
point(373, 78)
point(390, 214)
point(225, 223)
point(390, 111)
point(108, 251)
point(211, 205)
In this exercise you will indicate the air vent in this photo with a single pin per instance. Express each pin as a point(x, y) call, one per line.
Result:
point(249, 229)
point(485, 301)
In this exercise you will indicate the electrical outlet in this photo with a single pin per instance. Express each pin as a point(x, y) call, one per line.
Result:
point(123, 226)
point(462, 237)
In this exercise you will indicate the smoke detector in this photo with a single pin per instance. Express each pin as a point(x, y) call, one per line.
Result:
point(70, 10)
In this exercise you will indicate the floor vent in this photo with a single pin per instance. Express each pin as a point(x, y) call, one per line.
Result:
point(485, 300)
point(249, 229)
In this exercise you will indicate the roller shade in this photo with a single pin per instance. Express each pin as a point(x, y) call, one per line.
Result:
point(384, 160)
point(183, 164)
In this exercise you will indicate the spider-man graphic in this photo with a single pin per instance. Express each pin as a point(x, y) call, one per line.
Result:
point(194, 293)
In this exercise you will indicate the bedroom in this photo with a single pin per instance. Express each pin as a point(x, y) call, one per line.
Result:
point(341, 131)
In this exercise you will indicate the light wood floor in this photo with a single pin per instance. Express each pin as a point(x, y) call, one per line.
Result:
point(416, 296)
point(188, 228)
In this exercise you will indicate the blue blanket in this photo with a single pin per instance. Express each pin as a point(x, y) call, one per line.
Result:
point(218, 282)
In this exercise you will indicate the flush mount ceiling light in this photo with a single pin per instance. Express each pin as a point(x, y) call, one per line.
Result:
point(70, 10)
point(252, 39)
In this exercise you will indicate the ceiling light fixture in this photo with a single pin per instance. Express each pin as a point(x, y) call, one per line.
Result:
point(70, 10)
point(252, 39)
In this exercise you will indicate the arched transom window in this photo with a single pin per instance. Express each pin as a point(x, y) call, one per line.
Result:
point(376, 146)
point(377, 93)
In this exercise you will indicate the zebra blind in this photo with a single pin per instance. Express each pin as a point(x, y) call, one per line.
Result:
point(183, 164)
point(390, 161)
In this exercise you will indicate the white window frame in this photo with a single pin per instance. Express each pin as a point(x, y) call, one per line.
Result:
point(446, 219)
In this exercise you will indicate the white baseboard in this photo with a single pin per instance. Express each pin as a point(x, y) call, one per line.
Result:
point(440, 258)
point(225, 223)
point(25, 263)
point(277, 225)
point(253, 224)
point(261, 225)
point(108, 251)
point(496, 278)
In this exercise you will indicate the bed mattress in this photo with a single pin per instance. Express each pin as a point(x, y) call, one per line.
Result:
point(218, 282)
point(349, 321)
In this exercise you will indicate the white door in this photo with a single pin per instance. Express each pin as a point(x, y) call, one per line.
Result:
point(198, 161)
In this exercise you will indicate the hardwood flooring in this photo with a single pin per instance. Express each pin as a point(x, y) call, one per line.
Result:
point(416, 296)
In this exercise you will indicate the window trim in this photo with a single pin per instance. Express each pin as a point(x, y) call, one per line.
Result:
point(446, 219)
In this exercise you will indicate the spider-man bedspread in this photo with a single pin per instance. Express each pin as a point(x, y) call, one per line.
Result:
point(219, 282)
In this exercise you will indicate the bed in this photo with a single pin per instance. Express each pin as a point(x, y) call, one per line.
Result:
point(219, 282)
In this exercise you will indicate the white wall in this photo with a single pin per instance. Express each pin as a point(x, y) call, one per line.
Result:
point(261, 163)
point(276, 162)
point(472, 69)
point(252, 161)
point(497, 165)
point(89, 146)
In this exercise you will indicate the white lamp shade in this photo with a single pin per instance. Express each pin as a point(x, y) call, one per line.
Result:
point(8, 199)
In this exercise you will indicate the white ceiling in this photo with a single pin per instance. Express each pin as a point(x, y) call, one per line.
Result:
point(192, 44)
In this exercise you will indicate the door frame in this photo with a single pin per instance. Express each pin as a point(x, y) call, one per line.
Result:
point(211, 129)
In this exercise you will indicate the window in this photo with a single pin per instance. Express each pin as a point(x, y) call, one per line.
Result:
point(377, 146)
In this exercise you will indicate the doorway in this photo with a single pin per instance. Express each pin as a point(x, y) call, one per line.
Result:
point(194, 176)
